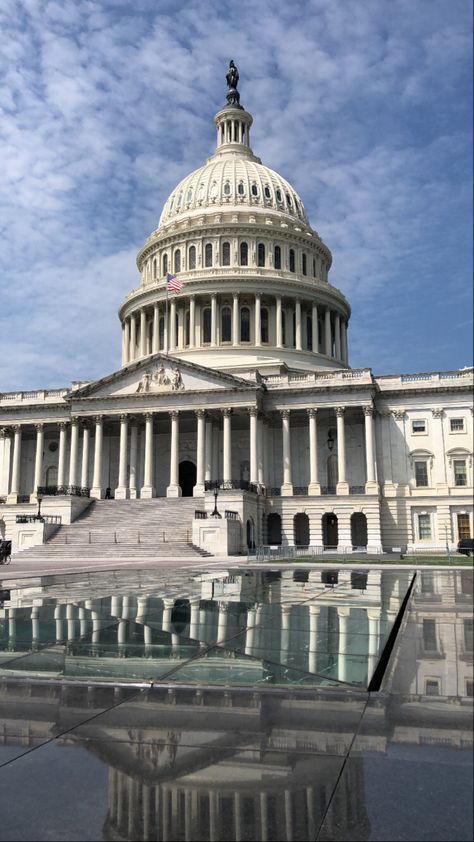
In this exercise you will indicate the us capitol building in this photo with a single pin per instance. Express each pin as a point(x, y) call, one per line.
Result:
point(240, 383)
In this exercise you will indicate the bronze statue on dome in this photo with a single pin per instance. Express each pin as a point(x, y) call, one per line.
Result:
point(232, 78)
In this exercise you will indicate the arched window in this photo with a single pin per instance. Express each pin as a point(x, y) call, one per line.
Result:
point(264, 324)
point(283, 327)
point(187, 331)
point(208, 255)
point(226, 254)
point(192, 257)
point(277, 257)
point(154, 267)
point(254, 190)
point(226, 324)
point(165, 264)
point(309, 333)
point(189, 196)
point(288, 199)
point(206, 325)
point(178, 201)
point(177, 261)
point(303, 265)
point(244, 324)
point(227, 189)
point(292, 260)
point(161, 333)
point(261, 255)
point(268, 195)
point(241, 188)
point(278, 195)
point(244, 254)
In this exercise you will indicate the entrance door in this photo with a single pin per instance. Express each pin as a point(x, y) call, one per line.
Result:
point(330, 530)
point(464, 527)
point(187, 478)
point(301, 529)
point(274, 528)
point(359, 529)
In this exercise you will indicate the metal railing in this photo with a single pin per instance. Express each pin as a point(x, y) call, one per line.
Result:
point(38, 518)
point(67, 490)
point(126, 537)
point(199, 514)
point(234, 485)
point(273, 552)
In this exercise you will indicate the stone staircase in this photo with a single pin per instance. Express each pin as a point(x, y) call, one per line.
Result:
point(131, 529)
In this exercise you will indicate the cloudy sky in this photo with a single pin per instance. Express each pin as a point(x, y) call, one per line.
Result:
point(365, 107)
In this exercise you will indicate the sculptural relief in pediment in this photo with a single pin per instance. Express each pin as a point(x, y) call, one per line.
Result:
point(161, 379)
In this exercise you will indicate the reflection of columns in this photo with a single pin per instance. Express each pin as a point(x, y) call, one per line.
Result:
point(287, 487)
point(73, 451)
point(313, 637)
point(253, 445)
point(195, 604)
point(373, 616)
point(227, 445)
point(148, 489)
point(38, 457)
point(222, 622)
point(371, 485)
point(343, 613)
point(155, 345)
point(71, 623)
point(85, 457)
point(237, 817)
point(142, 333)
point(249, 634)
point(258, 321)
point(173, 489)
point(315, 325)
point(121, 492)
point(235, 320)
point(35, 631)
point(327, 333)
point(278, 331)
point(208, 469)
point(62, 453)
point(342, 486)
point(285, 632)
point(200, 454)
point(213, 816)
point(96, 490)
point(264, 816)
point(337, 335)
point(213, 320)
point(192, 321)
point(298, 324)
point(133, 459)
point(289, 814)
point(15, 478)
point(314, 486)
point(58, 623)
point(167, 609)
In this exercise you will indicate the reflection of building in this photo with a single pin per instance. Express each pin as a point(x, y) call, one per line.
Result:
point(243, 381)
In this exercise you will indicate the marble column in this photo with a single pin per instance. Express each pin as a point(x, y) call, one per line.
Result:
point(260, 451)
point(371, 486)
point(148, 489)
point(345, 350)
point(121, 492)
point(192, 321)
point(174, 489)
point(155, 347)
point(278, 330)
point(126, 342)
point(85, 457)
point(97, 491)
point(258, 320)
point(222, 623)
point(327, 333)
point(253, 445)
point(62, 454)
point(287, 487)
point(172, 325)
point(38, 460)
point(337, 335)
point(342, 484)
point(298, 344)
point(343, 612)
point(213, 320)
point(235, 320)
point(227, 445)
point(133, 459)
point(314, 487)
point(315, 325)
point(198, 489)
point(142, 333)
point(73, 451)
point(208, 470)
point(133, 338)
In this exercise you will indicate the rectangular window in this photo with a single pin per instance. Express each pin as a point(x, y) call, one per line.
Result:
point(460, 473)
point(464, 527)
point(457, 425)
point(429, 636)
point(418, 426)
point(427, 583)
point(432, 687)
point(421, 474)
point(470, 688)
point(424, 527)
point(468, 635)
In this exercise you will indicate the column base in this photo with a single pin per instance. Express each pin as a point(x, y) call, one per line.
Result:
point(287, 489)
point(12, 498)
point(389, 489)
point(147, 492)
point(371, 487)
point(342, 488)
point(132, 493)
point(173, 491)
point(97, 493)
point(314, 489)
point(198, 490)
point(121, 493)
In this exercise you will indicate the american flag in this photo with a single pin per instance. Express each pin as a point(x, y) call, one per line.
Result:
point(173, 284)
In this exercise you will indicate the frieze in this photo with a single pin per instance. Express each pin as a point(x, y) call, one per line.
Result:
point(159, 381)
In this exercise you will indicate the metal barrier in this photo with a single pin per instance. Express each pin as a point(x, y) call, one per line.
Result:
point(126, 537)
point(279, 552)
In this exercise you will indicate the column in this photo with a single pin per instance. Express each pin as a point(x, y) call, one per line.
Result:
point(253, 445)
point(38, 460)
point(235, 320)
point(73, 452)
point(85, 457)
point(97, 491)
point(155, 345)
point(260, 451)
point(298, 324)
point(314, 487)
point(345, 350)
point(287, 487)
point(208, 468)
point(227, 445)
point(371, 486)
point(172, 325)
point(258, 321)
point(62, 454)
point(327, 333)
point(439, 473)
point(342, 485)
point(343, 613)
point(174, 489)
point(192, 321)
point(213, 320)
point(133, 338)
point(373, 616)
point(337, 335)
point(285, 632)
point(198, 489)
point(194, 624)
point(142, 333)
point(315, 324)
point(126, 342)
point(133, 459)
point(313, 637)
point(222, 622)
point(121, 492)
point(148, 489)
point(278, 331)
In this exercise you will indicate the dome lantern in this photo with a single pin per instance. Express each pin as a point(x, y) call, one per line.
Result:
point(233, 122)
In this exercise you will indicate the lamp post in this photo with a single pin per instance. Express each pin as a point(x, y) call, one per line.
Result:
point(38, 513)
point(215, 513)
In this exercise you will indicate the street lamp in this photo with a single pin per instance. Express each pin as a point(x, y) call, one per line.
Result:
point(215, 513)
point(38, 513)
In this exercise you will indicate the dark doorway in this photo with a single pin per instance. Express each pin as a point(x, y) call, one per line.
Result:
point(301, 529)
point(250, 534)
point(187, 478)
point(330, 530)
point(359, 530)
point(274, 528)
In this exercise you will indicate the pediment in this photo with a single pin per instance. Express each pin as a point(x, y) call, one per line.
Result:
point(159, 375)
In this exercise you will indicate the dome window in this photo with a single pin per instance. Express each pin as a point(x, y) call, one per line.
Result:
point(283, 327)
point(202, 192)
point(165, 264)
point(314, 268)
point(189, 196)
point(154, 267)
point(245, 324)
point(292, 260)
point(288, 199)
point(264, 324)
point(177, 261)
point(192, 257)
point(277, 257)
point(206, 326)
point(241, 188)
point(309, 333)
point(187, 328)
point(267, 193)
point(171, 204)
point(254, 190)
point(244, 254)
point(213, 191)
point(261, 255)
point(178, 201)
point(226, 324)
point(208, 255)
point(304, 265)
point(278, 195)
point(226, 254)
point(227, 189)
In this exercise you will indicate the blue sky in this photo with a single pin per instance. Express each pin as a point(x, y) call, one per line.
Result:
point(365, 107)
